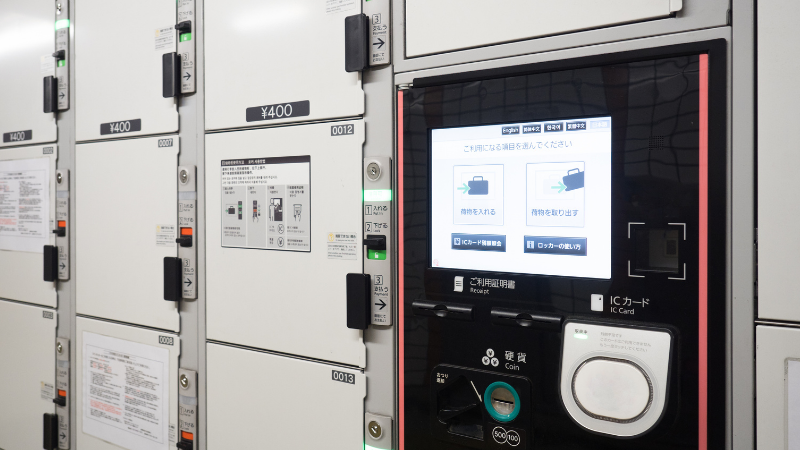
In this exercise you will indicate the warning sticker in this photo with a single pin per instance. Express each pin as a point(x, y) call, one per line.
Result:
point(165, 38)
point(337, 6)
point(48, 391)
point(165, 235)
point(266, 203)
point(342, 245)
point(125, 392)
point(24, 204)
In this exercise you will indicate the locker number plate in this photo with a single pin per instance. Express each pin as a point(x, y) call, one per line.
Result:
point(343, 377)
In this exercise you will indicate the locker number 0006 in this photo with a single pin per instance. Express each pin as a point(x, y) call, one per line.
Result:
point(343, 377)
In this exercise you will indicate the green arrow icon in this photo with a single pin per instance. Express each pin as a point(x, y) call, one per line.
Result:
point(560, 187)
point(464, 188)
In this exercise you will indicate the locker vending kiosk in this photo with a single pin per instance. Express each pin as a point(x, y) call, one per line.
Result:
point(28, 90)
point(562, 260)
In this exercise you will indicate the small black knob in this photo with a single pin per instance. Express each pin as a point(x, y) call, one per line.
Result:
point(61, 54)
point(185, 445)
point(184, 27)
point(184, 241)
point(60, 401)
point(375, 242)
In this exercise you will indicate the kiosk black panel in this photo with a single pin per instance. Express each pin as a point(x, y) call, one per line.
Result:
point(562, 254)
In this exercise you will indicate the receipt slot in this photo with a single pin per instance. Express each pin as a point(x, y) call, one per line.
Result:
point(250, 82)
point(549, 298)
point(28, 49)
point(119, 366)
point(27, 376)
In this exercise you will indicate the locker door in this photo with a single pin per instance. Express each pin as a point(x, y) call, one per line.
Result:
point(267, 54)
point(285, 402)
point(27, 373)
point(125, 223)
point(777, 387)
point(23, 239)
point(277, 257)
point(444, 26)
point(118, 68)
point(28, 42)
point(127, 387)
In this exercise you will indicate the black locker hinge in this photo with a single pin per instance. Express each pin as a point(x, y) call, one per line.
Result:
point(170, 74)
point(173, 268)
point(358, 301)
point(50, 92)
point(356, 43)
point(50, 258)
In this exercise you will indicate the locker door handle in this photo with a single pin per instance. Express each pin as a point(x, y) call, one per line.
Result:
point(50, 257)
point(50, 432)
point(173, 274)
point(358, 301)
point(443, 310)
point(170, 74)
point(356, 43)
point(516, 318)
point(50, 91)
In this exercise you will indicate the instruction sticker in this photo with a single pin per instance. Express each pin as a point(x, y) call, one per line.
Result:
point(165, 235)
point(342, 245)
point(165, 38)
point(125, 392)
point(266, 203)
point(47, 64)
point(337, 6)
point(48, 391)
point(24, 204)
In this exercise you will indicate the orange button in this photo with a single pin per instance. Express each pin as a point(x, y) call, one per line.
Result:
point(186, 435)
point(62, 224)
point(186, 231)
point(62, 393)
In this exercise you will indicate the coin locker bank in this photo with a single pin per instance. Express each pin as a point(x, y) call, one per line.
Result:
point(561, 262)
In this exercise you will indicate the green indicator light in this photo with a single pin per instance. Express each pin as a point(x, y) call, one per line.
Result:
point(581, 336)
point(376, 254)
point(62, 63)
point(186, 37)
point(63, 23)
point(378, 195)
point(369, 447)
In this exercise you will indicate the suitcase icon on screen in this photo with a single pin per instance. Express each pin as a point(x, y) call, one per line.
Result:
point(478, 186)
point(573, 180)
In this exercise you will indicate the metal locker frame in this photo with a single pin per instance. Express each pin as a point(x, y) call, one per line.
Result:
point(290, 402)
point(28, 44)
point(124, 191)
point(21, 272)
point(27, 374)
point(276, 319)
point(776, 346)
point(139, 335)
point(118, 69)
point(308, 64)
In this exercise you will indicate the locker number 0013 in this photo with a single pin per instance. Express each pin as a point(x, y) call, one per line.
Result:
point(343, 377)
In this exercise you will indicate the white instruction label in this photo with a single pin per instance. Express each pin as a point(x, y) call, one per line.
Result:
point(165, 235)
point(48, 391)
point(47, 64)
point(337, 6)
point(342, 245)
point(266, 203)
point(125, 392)
point(165, 39)
point(24, 204)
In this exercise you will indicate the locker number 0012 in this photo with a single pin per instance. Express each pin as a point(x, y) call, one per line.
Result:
point(343, 377)
point(342, 130)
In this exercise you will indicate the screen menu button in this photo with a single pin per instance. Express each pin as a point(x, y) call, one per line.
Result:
point(479, 242)
point(555, 245)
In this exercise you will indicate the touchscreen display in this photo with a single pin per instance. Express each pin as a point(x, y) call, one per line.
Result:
point(532, 197)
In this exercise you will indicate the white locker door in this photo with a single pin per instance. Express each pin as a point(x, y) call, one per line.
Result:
point(261, 293)
point(126, 217)
point(777, 388)
point(27, 34)
point(265, 54)
point(23, 241)
point(27, 373)
point(118, 73)
point(127, 387)
point(448, 25)
point(282, 402)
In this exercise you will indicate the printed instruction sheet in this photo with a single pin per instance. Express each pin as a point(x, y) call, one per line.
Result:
point(24, 204)
point(266, 203)
point(125, 392)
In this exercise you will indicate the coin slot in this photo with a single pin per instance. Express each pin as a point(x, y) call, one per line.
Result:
point(502, 401)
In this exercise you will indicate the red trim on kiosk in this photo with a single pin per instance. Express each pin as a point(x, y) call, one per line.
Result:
point(703, 256)
point(401, 272)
